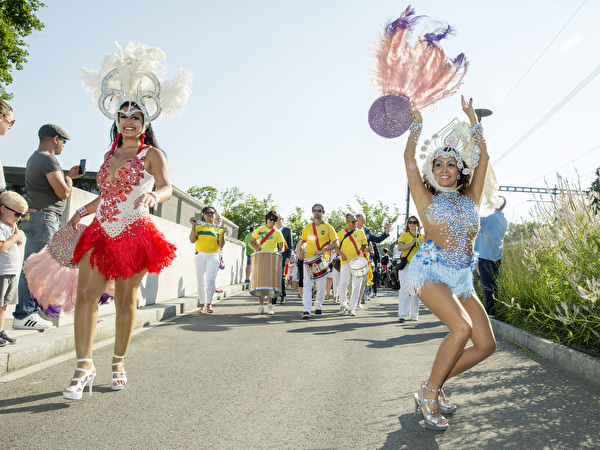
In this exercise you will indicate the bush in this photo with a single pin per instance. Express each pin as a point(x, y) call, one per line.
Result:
point(550, 278)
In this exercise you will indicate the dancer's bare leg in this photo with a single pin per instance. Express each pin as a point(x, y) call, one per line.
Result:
point(126, 291)
point(90, 286)
point(441, 301)
point(482, 337)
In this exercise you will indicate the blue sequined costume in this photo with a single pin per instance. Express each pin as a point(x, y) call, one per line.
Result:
point(452, 265)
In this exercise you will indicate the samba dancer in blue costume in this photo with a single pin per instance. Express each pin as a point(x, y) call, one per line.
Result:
point(447, 198)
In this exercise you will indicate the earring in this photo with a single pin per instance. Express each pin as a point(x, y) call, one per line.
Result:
point(458, 178)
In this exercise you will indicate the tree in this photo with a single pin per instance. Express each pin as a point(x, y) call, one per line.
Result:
point(337, 219)
point(207, 195)
point(17, 20)
point(245, 210)
point(377, 215)
point(296, 223)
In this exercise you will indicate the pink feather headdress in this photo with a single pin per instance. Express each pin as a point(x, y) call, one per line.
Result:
point(410, 75)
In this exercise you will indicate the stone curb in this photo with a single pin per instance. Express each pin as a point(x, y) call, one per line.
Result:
point(37, 347)
point(583, 365)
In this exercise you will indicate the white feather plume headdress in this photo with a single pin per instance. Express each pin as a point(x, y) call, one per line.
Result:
point(455, 140)
point(132, 75)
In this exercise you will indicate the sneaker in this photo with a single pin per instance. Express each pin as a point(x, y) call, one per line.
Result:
point(306, 314)
point(401, 319)
point(342, 311)
point(274, 301)
point(4, 337)
point(318, 312)
point(247, 281)
point(351, 313)
point(260, 310)
point(283, 300)
point(3, 342)
point(359, 304)
point(271, 312)
point(31, 322)
point(414, 318)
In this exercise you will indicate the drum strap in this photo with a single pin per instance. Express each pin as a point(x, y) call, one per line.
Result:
point(349, 234)
point(319, 248)
point(267, 236)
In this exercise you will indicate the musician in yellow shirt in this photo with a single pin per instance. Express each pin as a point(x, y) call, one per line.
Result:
point(269, 239)
point(319, 238)
point(353, 243)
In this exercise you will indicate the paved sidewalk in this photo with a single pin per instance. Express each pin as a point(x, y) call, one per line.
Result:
point(236, 379)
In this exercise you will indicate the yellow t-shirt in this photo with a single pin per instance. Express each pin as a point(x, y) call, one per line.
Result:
point(270, 244)
point(348, 248)
point(208, 239)
point(325, 235)
point(407, 238)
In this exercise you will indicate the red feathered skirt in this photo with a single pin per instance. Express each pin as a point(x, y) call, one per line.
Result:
point(141, 247)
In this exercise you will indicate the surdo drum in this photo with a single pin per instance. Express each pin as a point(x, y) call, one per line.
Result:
point(317, 267)
point(265, 278)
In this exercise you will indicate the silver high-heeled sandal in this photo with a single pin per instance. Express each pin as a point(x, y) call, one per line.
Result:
point(113, 386)
point(445, 405)
point(76, 391)
point(433, 423)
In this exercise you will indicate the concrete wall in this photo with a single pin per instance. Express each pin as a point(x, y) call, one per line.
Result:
point(177, 280)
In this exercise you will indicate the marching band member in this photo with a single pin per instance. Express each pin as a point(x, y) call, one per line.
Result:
point(269, 239)
point(353, 243)
point(319, 238)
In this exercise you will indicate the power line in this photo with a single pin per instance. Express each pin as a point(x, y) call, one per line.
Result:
point(539, 57)
point(565, 164)
point(553, 111)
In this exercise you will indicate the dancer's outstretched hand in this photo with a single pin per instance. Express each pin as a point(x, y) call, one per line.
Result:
point(416, 115)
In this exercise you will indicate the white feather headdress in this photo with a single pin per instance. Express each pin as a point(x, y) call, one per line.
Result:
point(132, 75)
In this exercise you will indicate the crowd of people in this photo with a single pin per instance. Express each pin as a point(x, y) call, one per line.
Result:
point(122, 245)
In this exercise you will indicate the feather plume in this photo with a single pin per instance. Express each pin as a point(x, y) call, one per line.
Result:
point(422, 72)
point(138, 66)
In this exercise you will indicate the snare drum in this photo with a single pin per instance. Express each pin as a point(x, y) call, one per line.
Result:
point(265, 278)
point(317, 267)
point(359, 266)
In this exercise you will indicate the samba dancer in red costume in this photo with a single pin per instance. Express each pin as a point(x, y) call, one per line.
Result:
point(122, 243)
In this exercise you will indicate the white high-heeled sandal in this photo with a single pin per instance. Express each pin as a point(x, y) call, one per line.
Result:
point(87, 379)
point(113, 386)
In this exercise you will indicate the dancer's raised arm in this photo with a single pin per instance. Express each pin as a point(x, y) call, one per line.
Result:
point(420, 194)
point(475, 190)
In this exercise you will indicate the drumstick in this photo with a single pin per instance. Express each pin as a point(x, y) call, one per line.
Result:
point(206, 224)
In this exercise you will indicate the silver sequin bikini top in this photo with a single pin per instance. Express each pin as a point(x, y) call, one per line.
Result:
point(458, 219)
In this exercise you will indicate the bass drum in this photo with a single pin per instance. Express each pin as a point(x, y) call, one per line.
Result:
point(265, 278)
point(359, 266)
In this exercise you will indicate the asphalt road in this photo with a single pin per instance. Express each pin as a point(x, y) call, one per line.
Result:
point(235, 379)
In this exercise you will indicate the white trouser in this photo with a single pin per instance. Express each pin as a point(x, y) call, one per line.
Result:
point(408, 305)
point(307, 291)
point(343, 289)
point(207, 265)
point(336, 282)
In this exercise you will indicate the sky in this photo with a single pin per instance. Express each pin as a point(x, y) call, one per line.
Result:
point(282, 90)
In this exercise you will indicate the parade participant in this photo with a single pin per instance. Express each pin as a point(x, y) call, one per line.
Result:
point(12, 208)
point(353, 243)
point(374, 240)
point(319, 238)
point(249, 253)
point(122, 242)
point(209, 240)
point(441, 273)
point(269, 239)
point(408, 243)
point(286, 232)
